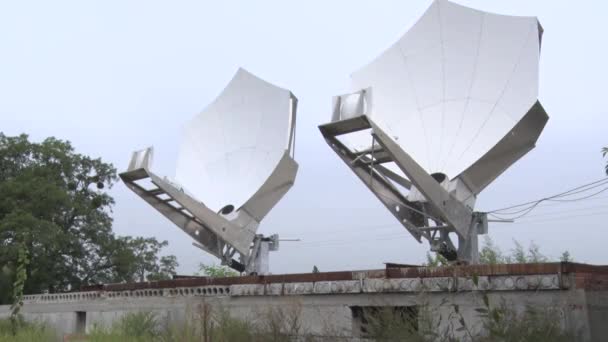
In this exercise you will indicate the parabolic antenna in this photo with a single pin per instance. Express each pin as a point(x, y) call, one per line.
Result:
point(450, 106)
point(235, 163)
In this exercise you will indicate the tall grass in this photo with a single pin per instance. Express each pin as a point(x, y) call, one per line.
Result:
point(26, 332)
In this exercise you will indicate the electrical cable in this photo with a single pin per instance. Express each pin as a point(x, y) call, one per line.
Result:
point(550, 198)
point(560, 197)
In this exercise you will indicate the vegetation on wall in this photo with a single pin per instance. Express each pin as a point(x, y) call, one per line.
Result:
point(215, 271)
point(491, 254)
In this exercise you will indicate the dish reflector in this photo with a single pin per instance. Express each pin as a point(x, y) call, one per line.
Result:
point(453, 85)
point(230, 149)
point(438, 116)
point(235, 164)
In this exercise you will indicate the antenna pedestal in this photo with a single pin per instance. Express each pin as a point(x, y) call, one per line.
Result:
point(260, 254)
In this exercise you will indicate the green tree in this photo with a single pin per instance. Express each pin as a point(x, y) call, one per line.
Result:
point(166, 268)
point(315, 269)
point(55, 201)
point(216, 271)
point(140, 258)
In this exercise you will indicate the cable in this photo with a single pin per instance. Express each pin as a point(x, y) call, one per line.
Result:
point(581, 198)
point(529, 206)
point(553, 213)
point(516, 217)
point(558, 219)
point(569, 192)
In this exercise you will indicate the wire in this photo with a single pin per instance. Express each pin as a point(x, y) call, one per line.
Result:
point(569, 192)
point(526, 212)
point(581, 198)
point(524, 209)
point(553, 213)
point(558, 218)
point(560, 198)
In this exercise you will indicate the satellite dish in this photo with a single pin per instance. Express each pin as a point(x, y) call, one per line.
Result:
point(235, 162)
point(450, 106)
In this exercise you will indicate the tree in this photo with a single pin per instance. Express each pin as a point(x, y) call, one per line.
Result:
point(566, 257)
point(166, 268)
point(215, 271)
point(315, 269)
point(140, 259)
point(55, 203)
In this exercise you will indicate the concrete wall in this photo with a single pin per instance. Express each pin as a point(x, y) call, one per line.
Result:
point(324, 308)
point(597, 310)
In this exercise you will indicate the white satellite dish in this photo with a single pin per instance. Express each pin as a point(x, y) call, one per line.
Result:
point(235, 163)
point(450, 106)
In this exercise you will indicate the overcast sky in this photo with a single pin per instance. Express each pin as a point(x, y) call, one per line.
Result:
point(116, 76)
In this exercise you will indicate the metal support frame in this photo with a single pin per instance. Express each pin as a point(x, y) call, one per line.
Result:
point(433, 219)
point(434, 206)
point(223, 236)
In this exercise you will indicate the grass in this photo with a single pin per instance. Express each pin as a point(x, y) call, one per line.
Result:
point(27, 332)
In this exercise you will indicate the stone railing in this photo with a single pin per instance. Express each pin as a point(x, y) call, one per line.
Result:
point(370, 285)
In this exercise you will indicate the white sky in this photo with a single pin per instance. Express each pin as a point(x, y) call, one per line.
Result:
point(116, 76)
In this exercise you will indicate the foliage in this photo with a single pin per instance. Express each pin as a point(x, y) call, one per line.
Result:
point(315, 269)
point(503, 323)
point(491, 254)
point(435, 260)
point(205, 325)
point(533, 254)
point(566, 257)
point(55, 201)
point(55, 195)
point(20, 278)
point(388, 324)
point(141, 261)
point(216, 271)
point(139, 324)
point(27, 332)
point(165, 269)
point(279, 322)
point(133, 326)
point(228, 329)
